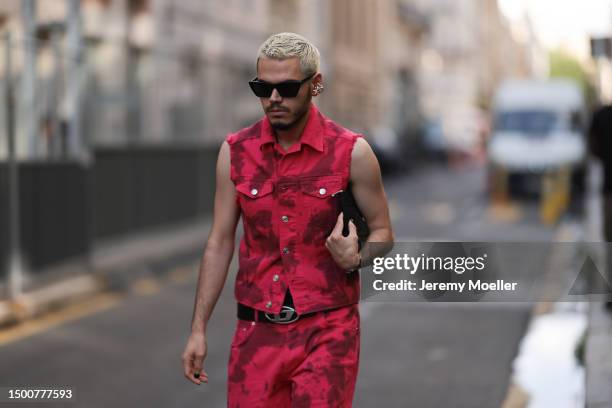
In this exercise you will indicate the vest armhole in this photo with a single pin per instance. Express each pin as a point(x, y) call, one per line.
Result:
point(233, 175)
point(349, 158)
point(231, 139)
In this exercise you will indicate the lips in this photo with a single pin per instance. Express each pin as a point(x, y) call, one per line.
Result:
point(276, 109)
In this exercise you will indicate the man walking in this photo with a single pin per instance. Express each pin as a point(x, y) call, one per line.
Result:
point(600, 140)
point(296, 342)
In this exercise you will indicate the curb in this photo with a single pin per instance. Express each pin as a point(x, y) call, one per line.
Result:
point(53, 296)
point(117, 267)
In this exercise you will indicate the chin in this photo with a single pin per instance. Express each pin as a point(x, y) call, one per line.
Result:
point(281, 125)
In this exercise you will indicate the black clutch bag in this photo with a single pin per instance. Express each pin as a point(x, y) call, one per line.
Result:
point(350, 210)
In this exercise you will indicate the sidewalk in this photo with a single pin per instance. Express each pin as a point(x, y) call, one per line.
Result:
point(113, 266)
point(598, 356)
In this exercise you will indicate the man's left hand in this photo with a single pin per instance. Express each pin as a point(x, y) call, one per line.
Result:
point(344, 250)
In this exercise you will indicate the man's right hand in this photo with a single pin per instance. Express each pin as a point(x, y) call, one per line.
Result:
point(193, 358)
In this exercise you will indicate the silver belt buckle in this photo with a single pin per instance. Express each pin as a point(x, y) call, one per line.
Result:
point(286, 315)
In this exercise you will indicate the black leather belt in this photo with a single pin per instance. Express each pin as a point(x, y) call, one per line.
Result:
point(287, 315)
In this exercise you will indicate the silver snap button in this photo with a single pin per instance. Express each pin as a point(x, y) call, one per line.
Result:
point(285, 250)
point(269, 304)
point(254, 191)
point(275, 278)
point(322, 191)
point(284, 218)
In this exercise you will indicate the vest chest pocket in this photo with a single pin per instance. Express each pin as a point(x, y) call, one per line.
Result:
point(322, 187)
point(321, 208)
point(254, 196)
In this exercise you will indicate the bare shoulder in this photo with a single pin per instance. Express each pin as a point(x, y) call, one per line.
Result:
point(363, 161)
point(224, 150)
point(223, 160)
point(362, 149)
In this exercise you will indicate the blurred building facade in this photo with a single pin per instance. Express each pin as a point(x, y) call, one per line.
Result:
point(218, 60)
point(163, 71)
point(185, 63)
point(145, 71)
point(376, 49)
point(470, 50)
point(41, 60)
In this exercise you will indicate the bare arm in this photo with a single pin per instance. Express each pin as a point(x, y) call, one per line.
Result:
point(220, 245)
point(369, 192)
point(213, 266)
point(370, 197)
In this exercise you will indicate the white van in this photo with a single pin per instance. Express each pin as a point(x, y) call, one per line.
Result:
point(538, 126)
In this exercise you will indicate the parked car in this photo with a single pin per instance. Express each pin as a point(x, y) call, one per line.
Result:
point(538, 126)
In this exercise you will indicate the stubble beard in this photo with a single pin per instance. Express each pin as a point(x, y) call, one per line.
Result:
point(287, 126)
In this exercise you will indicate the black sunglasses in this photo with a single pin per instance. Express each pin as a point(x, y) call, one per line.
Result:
point(286, 89)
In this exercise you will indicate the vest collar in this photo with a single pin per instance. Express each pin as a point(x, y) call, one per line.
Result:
point(312, 135)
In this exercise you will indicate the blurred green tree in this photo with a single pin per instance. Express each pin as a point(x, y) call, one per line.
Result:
point(565, 65)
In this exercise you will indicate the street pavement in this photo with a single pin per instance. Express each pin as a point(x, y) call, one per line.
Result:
point(412, 355)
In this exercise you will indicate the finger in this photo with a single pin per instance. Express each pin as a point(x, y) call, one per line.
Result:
point(352, 229)
point(190, 375)
point(197, 364)
point(202, 377)
point(198, 376)
point(191, 367)
point(187, 367)
point(337, 231)
point(197, 368)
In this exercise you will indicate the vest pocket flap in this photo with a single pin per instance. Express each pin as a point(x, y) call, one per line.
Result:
point(321, 187)
point(254, 188)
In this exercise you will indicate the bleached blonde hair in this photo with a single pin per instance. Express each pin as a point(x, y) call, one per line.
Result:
point(289, 45)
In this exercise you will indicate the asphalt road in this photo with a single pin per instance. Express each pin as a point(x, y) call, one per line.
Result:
point(413, 354)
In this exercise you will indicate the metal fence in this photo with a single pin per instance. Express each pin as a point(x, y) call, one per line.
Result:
point(78, 160)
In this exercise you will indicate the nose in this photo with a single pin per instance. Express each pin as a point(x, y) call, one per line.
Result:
point(275, 97)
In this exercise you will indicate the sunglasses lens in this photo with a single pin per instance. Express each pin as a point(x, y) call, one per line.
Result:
point(261, 89)
point(288, 89)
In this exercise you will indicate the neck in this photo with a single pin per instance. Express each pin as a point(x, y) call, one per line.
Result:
point(287, 137)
